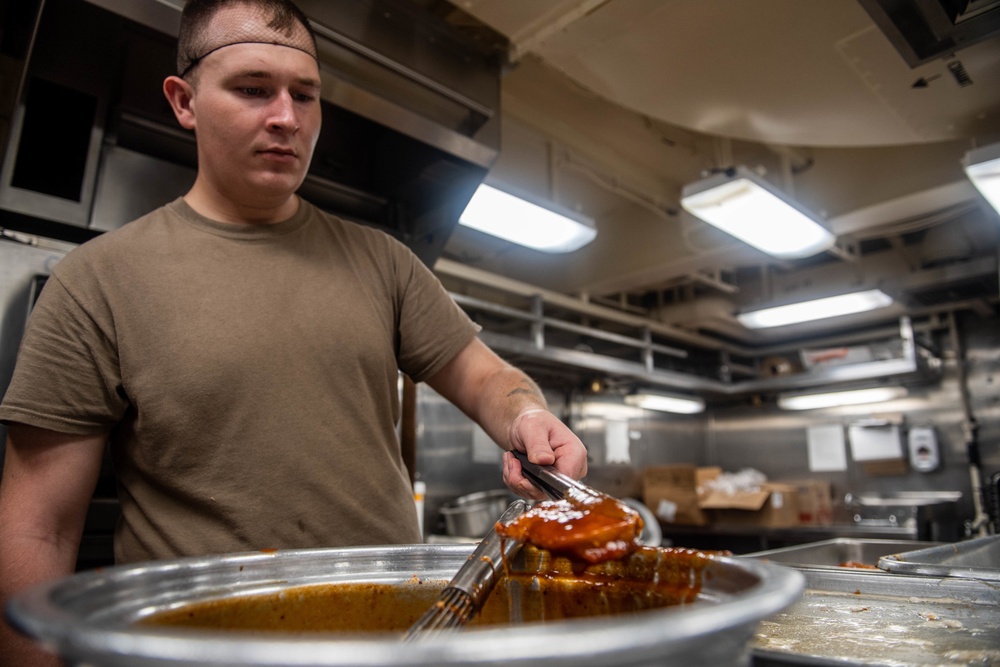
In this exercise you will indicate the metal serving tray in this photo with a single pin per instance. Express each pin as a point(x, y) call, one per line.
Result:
point(857, 618)
point(975, 559)
point(834, 552)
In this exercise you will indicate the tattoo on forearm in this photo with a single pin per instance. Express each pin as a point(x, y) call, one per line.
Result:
point(526, 388)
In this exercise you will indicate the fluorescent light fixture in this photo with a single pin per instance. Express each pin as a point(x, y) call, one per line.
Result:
point(594, 412)
point(818, 309)
point(982, 166)
point(549, 228)
point(685, 405)
point(746, 206)
point(836, 399)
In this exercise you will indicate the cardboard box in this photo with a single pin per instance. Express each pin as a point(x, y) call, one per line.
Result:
point(705, 475)
point(671, 492)
point(815, 498)
point(775, 505)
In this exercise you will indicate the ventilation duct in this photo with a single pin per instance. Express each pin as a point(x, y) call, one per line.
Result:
point(924, 30)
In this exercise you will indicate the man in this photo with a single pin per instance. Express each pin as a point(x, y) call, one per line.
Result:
point(239, 347)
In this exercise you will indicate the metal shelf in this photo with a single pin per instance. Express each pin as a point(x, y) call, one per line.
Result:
point(553, 329)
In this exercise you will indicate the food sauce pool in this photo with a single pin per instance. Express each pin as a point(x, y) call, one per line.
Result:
point(544, 588)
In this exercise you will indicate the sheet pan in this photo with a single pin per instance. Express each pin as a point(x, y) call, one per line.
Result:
point(855, 618)
point(975, 559)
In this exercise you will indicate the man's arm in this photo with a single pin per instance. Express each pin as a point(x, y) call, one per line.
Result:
point(511, 409)
point(48, 480)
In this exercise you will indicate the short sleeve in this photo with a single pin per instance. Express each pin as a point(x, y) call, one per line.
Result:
point(67, 377)
point(432, 327)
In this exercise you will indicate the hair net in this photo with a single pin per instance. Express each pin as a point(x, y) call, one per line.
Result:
point(242, 24)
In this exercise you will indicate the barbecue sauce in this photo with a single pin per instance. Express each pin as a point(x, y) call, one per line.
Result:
point(542, 588)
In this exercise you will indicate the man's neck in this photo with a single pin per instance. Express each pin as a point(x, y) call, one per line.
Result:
point(214, 206)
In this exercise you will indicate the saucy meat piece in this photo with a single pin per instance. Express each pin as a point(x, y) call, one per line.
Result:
point(589, 527)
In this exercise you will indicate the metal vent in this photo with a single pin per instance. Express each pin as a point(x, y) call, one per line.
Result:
point(924, 30)
point(979, 287)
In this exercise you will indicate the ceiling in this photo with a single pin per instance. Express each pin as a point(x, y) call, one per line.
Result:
point(611, 106)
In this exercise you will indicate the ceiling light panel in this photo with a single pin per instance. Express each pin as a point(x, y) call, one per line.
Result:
point(817, 309)
point(746, 206)
point(982, 166)
point(548, 228)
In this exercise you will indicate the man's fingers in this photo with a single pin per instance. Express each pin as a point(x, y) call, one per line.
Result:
point(516, 481)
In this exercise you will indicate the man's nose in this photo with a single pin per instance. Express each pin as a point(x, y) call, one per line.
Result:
point(283, 117)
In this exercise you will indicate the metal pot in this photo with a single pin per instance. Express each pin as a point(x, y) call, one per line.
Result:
point(474, 514)
point(90, 618)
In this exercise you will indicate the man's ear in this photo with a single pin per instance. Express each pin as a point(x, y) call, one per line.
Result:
point(180, 94)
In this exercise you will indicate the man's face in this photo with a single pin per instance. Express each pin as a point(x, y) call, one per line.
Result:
point(257, 118)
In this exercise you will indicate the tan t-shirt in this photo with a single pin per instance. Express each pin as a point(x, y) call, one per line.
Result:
point(248, 375)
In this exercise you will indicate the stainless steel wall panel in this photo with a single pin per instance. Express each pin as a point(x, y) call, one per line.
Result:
point(775, 443)
point(132, 184)
point(982, 355)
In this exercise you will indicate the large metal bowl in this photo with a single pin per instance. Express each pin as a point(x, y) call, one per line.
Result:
point(473, 515)
point(91, 618)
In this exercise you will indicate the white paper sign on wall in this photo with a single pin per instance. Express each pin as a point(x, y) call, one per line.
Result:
point(827, 448)
point(616, 437)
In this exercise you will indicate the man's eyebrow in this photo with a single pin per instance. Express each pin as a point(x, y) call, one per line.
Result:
point(308, 81)
point(264, 74)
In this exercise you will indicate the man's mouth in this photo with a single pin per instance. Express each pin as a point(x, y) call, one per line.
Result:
point(278, 152)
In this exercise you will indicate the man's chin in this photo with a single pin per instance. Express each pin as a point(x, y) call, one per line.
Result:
point(275, 187)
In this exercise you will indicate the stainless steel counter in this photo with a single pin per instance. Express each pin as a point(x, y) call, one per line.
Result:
point(861, 618)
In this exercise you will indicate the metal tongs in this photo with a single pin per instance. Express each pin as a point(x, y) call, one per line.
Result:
point(466, 593)
point(550, 481)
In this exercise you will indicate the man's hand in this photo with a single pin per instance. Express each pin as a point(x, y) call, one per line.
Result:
point(512, 410)
point(547, 441)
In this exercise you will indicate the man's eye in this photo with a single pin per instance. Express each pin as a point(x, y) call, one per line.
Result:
point(304, 97)
point(252, 92)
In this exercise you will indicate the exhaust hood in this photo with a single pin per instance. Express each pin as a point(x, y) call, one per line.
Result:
point(410, 116)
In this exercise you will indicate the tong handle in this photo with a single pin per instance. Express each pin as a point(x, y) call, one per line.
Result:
point(479, 574)
point(549, 481)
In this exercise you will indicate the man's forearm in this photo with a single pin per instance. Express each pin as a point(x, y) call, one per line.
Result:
point(48, 478)
point(24, 562)
point(510, 407)
point(507, 394)
point(488, 389)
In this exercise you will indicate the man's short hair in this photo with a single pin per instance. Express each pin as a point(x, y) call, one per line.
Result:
point(277, 20)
